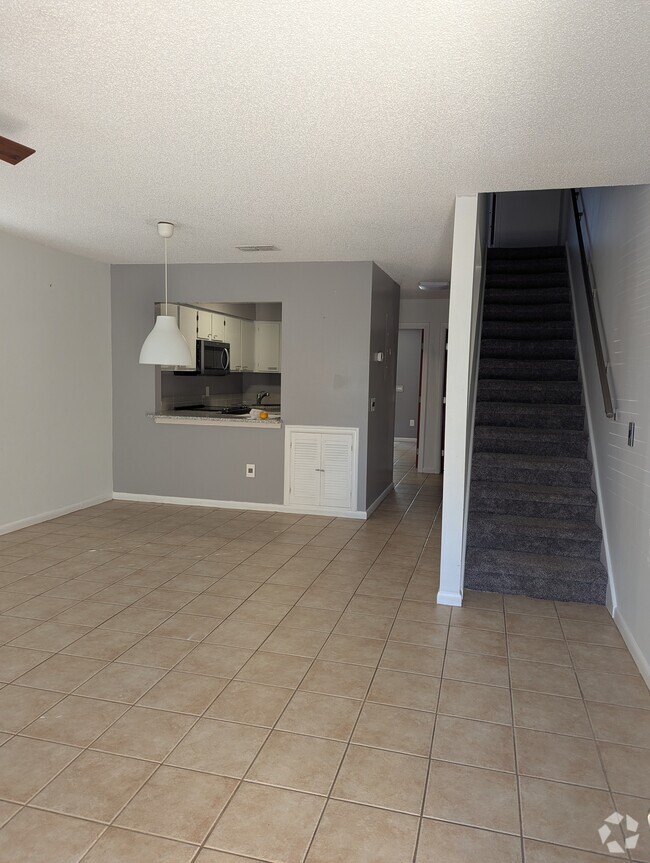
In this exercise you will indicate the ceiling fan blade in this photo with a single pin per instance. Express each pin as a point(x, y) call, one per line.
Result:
point(12, 152)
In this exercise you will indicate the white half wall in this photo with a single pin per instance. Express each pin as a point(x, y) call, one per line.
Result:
point(467, 267)
point(435, 313)
point(55, 388)
point(618, 243)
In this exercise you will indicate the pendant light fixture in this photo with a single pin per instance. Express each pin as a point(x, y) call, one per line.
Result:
point(165, 345)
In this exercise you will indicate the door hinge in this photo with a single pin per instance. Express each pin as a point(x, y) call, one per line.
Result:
point(444, 400)
point(442, 452)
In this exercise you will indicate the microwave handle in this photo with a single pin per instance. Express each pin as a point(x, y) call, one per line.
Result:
point(226, 358)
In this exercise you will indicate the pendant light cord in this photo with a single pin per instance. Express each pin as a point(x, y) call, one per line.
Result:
point(166, 303)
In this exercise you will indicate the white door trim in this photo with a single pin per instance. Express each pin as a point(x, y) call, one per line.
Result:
point(354, 432)
point(423, 385)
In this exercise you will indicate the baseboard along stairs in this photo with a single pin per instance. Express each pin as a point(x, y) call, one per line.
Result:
point(532, 528)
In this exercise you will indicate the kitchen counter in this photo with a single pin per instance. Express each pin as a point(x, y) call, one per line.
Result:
point(201, 418)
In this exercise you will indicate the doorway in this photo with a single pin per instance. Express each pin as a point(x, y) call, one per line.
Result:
point(410, 394)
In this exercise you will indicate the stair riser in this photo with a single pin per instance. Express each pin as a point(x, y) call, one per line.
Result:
point(560, 349)
point(529, 253)
point(527, 265)
point(533, 508)
point(526, 280)
point(525, 392)
point(559, 589)
point(519, 416)
point(538, 296)
point(528, 331)
point(530, 446)
point(527, 312)
point(480, 538)
point(542, 476)
point(549, 370)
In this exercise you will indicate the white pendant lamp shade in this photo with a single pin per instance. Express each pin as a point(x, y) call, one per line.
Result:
point(165, 345)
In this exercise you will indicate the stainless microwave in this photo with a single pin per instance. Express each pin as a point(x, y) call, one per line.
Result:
point(212, 358)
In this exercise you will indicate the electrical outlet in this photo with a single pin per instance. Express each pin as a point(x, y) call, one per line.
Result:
point(250, 471)
point(207, 391)
point(411, 423)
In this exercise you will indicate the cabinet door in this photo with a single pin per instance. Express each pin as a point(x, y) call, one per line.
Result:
point(267, 346)
point(218, 327)
point(187, 319)
point(336, 470)
point(247, 346)
point(305, 470)
point(205, 325)
point(232, 335)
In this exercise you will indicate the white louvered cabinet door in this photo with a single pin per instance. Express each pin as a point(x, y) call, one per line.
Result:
point(305, 473)
point(336, 467)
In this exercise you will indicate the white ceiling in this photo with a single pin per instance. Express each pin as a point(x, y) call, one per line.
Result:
point(336, 130)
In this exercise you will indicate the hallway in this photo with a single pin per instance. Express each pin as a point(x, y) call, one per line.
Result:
point(188, 684)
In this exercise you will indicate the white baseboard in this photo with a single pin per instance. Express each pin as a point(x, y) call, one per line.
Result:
point(373, 506)
point(406, 439)
point(455, 599)
point(239, 504)
point(53, 513)
point(637, 654)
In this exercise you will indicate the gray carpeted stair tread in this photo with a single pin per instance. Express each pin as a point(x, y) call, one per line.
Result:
point(539, 416)
point(559, 349)
point(532, 392)
point(537, 296)
point(527, 265)
point(528, 330)
point(545, 565)
point(527, 312)
point(522, 491)
point(500, 253)
point(530, 370)
point(551, 528)
point(525, 280)
point(526, 440)
point(542, 470)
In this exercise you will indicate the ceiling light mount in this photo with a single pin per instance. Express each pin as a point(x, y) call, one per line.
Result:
point(166, 229)
point(433, 286)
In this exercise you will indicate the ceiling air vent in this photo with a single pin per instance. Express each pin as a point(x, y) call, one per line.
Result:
point(257, 248)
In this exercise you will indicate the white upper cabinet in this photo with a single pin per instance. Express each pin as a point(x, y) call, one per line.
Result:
point(232, 335)
point(187, 319)
point(267, 346)
point(219, 327)
point(247, 346)
point(204, 324)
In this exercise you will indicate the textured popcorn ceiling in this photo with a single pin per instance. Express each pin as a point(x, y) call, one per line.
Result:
point(336, 130)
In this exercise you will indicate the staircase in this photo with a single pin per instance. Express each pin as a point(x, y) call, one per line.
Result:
point(531, 528)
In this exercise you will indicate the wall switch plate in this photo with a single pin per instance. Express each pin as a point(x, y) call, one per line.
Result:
point(399, 388)
point(630, 434)
point(373, 404)
point(250, 471)
point(411, 423)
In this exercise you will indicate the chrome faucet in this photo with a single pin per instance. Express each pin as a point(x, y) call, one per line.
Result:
point(260, 396)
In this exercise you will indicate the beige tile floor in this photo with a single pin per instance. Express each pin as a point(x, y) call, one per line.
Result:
point(186, 684)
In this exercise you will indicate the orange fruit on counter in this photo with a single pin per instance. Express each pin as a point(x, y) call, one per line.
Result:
point(264, 415)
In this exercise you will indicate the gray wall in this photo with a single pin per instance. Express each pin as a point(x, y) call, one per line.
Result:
point(383, 337)
point(408, 377)
point(529, 218)
point(325, 343)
